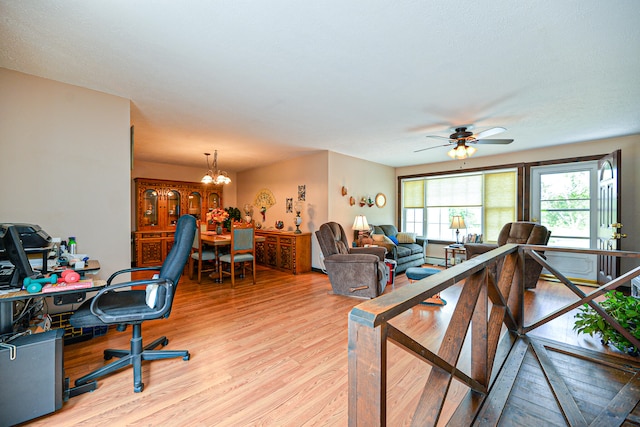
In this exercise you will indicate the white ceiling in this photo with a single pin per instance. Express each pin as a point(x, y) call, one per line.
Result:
point(267, 80)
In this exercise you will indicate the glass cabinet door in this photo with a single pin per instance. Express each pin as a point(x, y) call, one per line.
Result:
point(214, 201)
point(150, 213)
point(195, 204)
point(173, 207)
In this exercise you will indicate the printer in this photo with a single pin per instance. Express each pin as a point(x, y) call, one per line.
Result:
point(31, 235)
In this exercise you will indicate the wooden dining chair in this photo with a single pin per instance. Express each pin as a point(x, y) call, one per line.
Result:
point(200, 254)
point(242, 249)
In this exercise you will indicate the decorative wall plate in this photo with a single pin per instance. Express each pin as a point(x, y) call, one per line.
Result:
point(381, 200)
point(264, 199)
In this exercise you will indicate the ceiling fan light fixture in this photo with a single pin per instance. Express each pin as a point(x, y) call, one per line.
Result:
point(215, 175)
point(461, 151)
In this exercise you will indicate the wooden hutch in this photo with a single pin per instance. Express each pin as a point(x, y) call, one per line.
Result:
point(159, 204)
point(284, 250)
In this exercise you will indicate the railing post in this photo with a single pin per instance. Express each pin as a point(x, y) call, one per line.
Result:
point(367, 373)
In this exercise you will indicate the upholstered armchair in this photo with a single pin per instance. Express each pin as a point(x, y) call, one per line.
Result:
point(521, 232)
point(359, 272)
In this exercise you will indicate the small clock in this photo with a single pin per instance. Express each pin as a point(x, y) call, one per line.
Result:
point(381, 200)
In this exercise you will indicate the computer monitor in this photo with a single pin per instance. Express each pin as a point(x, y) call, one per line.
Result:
point(15, 253)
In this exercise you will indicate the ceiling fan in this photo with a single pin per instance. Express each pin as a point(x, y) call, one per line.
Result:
point(462, 136)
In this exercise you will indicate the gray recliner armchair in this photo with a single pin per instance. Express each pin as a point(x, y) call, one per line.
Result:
point(359, 272)
point(521, 232)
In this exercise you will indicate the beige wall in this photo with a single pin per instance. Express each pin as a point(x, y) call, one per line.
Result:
point(323, 174)
point(361, 178)
point(66, 164)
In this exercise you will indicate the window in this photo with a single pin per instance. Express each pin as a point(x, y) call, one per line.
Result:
point(413, 202)
point(563, 197)
point(486, 201)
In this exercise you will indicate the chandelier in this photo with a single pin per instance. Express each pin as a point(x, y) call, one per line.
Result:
point(215, 176)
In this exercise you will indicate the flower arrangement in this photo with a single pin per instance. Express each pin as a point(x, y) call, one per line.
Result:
point(217, 216)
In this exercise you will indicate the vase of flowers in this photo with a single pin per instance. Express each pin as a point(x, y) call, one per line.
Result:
point(217, 217)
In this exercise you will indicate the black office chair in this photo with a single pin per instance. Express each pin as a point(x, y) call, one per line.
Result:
point(113, 305)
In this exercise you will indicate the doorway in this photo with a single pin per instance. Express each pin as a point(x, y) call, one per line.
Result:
point(564, 198)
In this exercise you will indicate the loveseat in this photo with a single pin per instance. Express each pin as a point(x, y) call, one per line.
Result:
point(408, 250)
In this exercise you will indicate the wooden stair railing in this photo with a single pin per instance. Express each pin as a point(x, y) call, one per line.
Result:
point(370, 331)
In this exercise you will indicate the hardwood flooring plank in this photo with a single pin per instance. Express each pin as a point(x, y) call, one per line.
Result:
point(270, 354)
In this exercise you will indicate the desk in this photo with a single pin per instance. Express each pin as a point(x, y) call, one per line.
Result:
point(7, 299)
point(452, 251)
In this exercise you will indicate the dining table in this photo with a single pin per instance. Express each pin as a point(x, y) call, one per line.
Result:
point(216, 240)
point(212, 238)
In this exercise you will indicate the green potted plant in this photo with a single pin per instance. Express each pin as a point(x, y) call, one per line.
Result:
point(234, 215)
point(624, 309)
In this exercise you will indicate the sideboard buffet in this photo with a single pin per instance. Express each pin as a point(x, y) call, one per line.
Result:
point(284, 250)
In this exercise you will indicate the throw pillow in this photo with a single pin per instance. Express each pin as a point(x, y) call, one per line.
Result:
point(394, 240)
point(406, 237)
point(378, 237)
point(387, 240)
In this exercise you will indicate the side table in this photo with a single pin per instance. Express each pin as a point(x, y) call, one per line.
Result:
point(452, 251)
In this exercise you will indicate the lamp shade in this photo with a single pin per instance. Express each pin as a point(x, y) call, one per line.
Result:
point(361, 223)
point(457, 222)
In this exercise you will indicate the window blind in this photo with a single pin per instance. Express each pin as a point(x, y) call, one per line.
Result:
point(413, 194)
point(455, 191)
point(499, 202)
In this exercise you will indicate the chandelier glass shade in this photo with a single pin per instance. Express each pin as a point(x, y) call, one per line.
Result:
point(461, 151)
point(215, 175)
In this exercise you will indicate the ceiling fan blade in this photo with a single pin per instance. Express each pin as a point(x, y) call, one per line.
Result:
point(493, 141)
point(438, 137)
point(489, 132)
point(429, 148)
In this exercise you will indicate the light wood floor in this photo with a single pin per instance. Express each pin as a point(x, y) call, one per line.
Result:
point(273, 354)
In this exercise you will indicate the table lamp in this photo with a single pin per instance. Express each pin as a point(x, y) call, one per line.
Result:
point(362, 226)
point(457, 222)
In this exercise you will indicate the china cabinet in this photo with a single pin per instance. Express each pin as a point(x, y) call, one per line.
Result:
point(159, 203)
